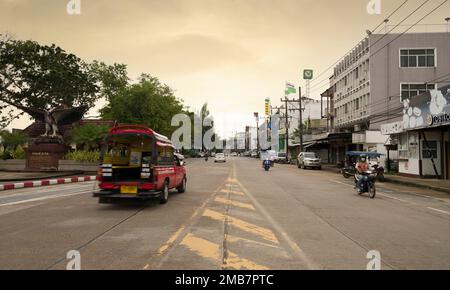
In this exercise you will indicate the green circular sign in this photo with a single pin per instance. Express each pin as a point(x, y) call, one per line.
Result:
point(308, 74)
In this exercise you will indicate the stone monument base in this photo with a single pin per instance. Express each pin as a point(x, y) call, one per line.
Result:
point(45, 156)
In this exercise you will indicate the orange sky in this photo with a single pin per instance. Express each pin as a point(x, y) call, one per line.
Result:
point(230, 53)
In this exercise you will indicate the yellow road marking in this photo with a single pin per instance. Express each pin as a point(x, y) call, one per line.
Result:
point(170, 241)
point(202, 247)
point(210, 250)
point(310, 264)
point(235, 262)
point(234, 239)
point(234, 203)
point(232, 192)
point(264, 233)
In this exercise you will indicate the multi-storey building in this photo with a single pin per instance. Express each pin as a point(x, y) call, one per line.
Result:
point(370, 83)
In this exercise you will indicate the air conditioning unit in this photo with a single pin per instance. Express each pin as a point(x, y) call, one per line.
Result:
point(357, 128)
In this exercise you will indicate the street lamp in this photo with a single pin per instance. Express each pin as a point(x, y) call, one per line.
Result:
point(447, 20)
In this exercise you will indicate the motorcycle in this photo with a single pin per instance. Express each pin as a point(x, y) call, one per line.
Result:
point(368, 184)
point(379, 172)
point(348, 171)
point(267, 165)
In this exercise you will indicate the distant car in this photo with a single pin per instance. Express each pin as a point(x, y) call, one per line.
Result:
point(234, 154)
point(220, 157)
point(254, 154)
point(281, 158)
point(309, 160)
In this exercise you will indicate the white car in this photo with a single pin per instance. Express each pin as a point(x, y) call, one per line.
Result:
point(309, 159)
point(220, 157)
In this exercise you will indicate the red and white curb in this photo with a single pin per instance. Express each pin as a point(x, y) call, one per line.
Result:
point(38, 183)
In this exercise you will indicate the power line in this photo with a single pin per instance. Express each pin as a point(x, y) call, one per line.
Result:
point(401, 34)
point(331, 66)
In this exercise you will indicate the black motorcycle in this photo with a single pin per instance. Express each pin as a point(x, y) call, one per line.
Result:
point(368, 184)
point(379, 172)
point(267, 165)
point(348, 171)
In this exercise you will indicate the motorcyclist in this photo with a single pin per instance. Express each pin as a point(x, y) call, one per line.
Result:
point(361, 166)
point(267, 163)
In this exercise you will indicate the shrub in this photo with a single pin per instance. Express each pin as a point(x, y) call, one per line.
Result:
point(5, 155)
point(19, 153)
point(83, 156)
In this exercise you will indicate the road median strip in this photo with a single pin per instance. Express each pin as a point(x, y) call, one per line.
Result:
point(39, 183)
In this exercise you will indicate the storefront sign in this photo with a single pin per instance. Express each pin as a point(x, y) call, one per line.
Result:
point(430, 109)
point(392, 128)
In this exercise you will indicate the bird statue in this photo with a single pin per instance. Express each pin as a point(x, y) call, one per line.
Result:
point(53, 118)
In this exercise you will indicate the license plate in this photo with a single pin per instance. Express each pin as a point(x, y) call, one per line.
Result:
point(128, 189)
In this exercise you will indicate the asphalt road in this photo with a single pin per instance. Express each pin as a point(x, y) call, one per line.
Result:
point(233, 216)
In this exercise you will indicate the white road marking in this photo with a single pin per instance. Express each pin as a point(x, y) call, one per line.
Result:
point(438, 210)
point(43, 198)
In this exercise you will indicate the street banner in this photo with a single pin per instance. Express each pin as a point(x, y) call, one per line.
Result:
point(290, 89)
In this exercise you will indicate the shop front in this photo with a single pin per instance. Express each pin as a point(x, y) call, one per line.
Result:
point(424, 135)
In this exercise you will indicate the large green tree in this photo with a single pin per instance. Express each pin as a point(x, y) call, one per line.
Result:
point(46, 77)
point(89, 136)
point(42, 76)
point(149, 102)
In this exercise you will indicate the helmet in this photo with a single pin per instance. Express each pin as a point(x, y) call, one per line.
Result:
point(363, 158)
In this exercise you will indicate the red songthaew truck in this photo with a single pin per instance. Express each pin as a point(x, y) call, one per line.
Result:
point(138, 163)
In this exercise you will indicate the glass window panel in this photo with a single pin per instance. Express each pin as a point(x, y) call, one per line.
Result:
point(422, 61)
point(430, 61)
point(404, 52)
point(404, 61)
point(417, 52)
point(412, 61)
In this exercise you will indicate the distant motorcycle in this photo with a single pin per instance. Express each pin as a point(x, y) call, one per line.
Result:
point(267, 165)
point(368, 184)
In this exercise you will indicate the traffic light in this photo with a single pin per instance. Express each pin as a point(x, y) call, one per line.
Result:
point(267, 107)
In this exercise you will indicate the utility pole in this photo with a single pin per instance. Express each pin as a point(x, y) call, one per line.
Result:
point(286, 102)
point(257, 131)
point(300, 110)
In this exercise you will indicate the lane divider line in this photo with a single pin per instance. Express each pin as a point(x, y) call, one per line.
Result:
point(43, 198)
point(45, 182)
point(438, 210)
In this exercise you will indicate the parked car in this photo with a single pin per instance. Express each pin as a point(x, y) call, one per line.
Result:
point(281, 158)
point(234, 154)
point(309, 160)
point(220, 157)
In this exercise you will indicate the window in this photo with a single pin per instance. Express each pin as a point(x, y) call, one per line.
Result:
point(429, 149)
point(417, 58)
point(411, 90)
